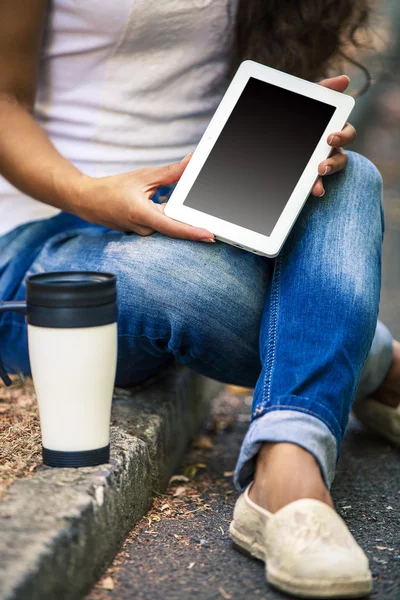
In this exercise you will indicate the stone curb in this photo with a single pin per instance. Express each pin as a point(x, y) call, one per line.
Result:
point(60, 528)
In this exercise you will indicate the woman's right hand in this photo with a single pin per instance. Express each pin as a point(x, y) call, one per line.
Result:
point(123, 202)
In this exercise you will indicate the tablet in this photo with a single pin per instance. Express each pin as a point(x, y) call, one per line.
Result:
point(257, 161)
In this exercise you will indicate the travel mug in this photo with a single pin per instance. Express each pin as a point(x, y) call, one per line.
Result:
point(72, 341)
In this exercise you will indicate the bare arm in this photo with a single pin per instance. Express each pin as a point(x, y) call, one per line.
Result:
point(32, 164)
point(27, 157)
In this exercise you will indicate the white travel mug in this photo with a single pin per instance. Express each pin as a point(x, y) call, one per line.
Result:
point(72, 339)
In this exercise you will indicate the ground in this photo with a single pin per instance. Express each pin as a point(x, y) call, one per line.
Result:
point(21, 446)
point(181, 549)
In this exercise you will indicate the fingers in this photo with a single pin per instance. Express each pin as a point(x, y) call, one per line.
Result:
point(336, 162)
point(318, 189)
point(160, 222)
point(339, 84)
point(164, 175)
point(342, 138)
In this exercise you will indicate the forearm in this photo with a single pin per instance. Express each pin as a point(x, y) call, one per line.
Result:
point(30, 162)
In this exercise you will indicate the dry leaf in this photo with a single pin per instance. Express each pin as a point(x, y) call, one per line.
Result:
point(179, 491)
point(203, 442)
point(164, 507)
point(229, 473)
point(224, 594)
point(191, 565)
point(107, 583)
point(178, 479)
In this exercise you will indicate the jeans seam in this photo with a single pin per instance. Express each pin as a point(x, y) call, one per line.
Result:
point(271, 351)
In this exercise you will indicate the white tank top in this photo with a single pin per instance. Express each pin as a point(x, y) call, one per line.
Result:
point(126, 84)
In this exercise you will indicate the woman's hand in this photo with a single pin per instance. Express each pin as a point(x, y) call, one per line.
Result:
point(123, 202)
point(338, 159)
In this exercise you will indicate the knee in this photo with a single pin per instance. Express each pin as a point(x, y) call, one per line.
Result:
point(363, 167)
point(364, 178)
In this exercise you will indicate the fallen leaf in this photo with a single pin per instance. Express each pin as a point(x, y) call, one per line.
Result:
point(389, 508)
point(191, 565)
point(229, 473)
point(178, 479)
point(179, 491)
point(107, 583)
point(164, 507)
point(203, 442)
point(224, 594)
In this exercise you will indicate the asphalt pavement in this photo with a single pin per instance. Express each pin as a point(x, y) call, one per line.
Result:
point(182, 550)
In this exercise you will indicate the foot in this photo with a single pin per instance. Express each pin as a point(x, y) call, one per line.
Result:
point(307, 548)
point(285, 473)
point(389, 391)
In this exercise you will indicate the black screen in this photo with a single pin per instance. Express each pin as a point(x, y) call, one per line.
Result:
point(259, 156)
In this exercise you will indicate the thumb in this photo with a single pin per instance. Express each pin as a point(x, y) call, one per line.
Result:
point(168, 173)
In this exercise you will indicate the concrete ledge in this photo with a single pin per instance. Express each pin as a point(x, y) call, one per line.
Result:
point(60, 528)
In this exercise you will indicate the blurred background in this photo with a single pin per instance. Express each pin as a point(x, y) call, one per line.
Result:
point(377, 119)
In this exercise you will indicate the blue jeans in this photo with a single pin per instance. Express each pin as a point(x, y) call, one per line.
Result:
point(298, 328)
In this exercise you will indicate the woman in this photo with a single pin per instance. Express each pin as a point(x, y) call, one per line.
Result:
point(124, 88)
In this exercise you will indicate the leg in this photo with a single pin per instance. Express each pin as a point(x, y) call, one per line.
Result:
point(377, 402)
point(316, 332)
point(381, 362)
point(178, 300)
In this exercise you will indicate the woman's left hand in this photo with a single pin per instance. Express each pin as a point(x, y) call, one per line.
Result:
point(338, 159)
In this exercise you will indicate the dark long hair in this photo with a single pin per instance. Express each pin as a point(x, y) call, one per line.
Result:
point(301, 37)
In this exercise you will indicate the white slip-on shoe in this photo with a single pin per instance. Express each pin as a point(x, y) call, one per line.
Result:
point(306, 546)
point(379, 418)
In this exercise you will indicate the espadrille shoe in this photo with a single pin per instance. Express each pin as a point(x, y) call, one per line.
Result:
point(379, 418)
point(306, 546)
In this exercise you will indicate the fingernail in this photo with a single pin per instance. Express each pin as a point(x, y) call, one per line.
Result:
point(207, 239)
point(187, 156)
point(323, 194)
point(327, 170)
point(333, 140)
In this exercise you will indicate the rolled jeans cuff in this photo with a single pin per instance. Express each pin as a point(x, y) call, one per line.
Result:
point(287, 426)
point(378, 362)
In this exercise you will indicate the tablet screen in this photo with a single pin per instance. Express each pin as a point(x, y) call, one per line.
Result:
point(259, 156)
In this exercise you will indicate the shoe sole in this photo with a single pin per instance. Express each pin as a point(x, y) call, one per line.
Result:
point(377, 420)
point(310, 588)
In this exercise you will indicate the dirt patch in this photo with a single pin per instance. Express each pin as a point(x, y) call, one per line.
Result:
point(20, 439)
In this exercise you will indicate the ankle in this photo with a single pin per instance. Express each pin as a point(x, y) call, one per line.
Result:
point(284, 473)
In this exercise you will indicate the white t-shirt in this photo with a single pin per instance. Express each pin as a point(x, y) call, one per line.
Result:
point(126, 84)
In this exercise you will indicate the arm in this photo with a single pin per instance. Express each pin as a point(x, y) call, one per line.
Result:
point(27, 158)
point(31, 163)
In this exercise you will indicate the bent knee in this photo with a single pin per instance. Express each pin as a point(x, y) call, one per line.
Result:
point(363, 171)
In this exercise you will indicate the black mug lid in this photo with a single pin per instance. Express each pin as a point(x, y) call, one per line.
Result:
point(71, 289)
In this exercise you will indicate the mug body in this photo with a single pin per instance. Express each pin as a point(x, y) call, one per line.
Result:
point(74, 372)
point(72, 338)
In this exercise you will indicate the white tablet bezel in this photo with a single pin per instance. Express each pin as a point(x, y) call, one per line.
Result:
point(230, 232)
